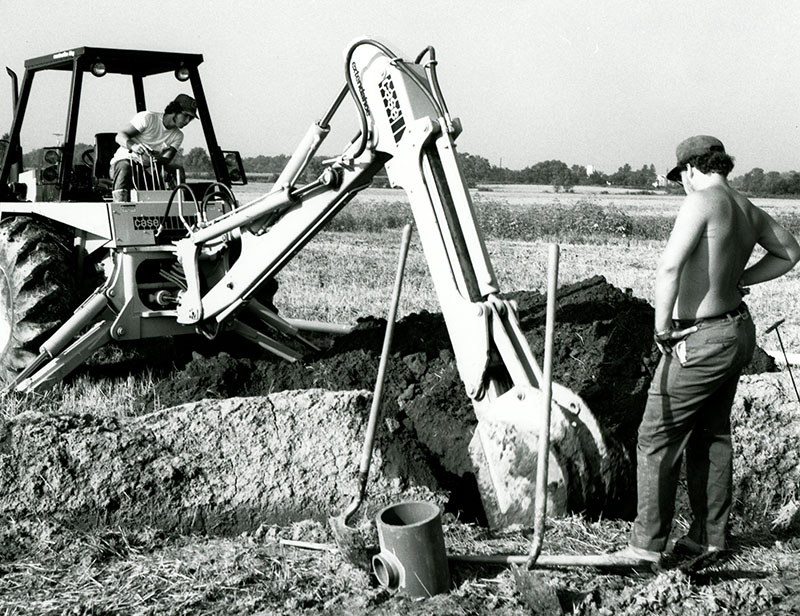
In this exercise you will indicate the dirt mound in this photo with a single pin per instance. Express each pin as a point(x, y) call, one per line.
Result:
point(766, 463)
point(210, 466)
point(261, 439)
point(603, 351)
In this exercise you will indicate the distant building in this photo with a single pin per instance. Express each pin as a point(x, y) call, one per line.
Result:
point(661, 181)
point(589, 170)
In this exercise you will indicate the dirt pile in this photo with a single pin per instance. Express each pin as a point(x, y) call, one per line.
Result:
point(603, 351)
point(210, 466)
point(257, 440)
point(766, 459)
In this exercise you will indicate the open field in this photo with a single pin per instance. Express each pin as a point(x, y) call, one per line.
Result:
point(316, 283)
point(52, 567)
point(633, 201)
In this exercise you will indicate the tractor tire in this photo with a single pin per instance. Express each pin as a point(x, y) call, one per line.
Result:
point(37, 291)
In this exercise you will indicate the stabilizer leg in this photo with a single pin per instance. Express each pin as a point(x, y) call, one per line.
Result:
point(53, 359)
point(265, 342)
point(276, 322)
point(69, 359)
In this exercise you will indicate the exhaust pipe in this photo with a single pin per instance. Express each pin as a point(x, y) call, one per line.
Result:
point(16, 160)
point(14, 89)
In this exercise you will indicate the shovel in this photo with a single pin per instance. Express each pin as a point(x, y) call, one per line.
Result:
point(532, 585)
point(349, 540)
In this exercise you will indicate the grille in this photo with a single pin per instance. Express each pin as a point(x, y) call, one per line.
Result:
point(151, 223)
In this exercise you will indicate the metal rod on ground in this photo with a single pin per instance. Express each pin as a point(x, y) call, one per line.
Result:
point(545, 560)
point(775, 326)
point(308, 545)
point(547, 396)
point(339, 523)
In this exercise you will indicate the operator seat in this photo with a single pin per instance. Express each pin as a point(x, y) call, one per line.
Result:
point(105, 145)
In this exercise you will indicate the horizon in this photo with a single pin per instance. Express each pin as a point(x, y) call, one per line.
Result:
point(589, 168)
point(591, 85)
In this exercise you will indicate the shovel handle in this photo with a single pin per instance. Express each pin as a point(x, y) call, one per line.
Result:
point(366, 457)
point(775, 325)
point(546, 386)
point(369, 438)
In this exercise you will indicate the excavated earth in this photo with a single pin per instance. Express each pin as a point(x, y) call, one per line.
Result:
point(230, 441)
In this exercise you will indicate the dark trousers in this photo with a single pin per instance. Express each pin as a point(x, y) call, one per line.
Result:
point(122, 173)
point(688, 409)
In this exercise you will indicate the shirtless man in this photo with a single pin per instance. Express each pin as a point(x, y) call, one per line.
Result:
point(706, 337)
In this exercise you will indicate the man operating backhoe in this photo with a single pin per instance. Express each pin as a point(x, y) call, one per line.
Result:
point(706, 336)
point(149, 135)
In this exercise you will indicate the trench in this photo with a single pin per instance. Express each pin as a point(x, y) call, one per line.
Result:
point(239, 440)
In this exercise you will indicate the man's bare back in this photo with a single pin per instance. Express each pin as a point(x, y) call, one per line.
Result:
point(710, 276)
point(704, 265)
point(702, 274)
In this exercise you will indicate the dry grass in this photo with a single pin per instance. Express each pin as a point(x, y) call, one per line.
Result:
point(146, 572)
point(326, 280)
point(62, 571)
point(105, 397)
point(48, 569)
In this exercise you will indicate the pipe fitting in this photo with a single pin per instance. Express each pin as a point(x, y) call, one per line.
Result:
point(388, 570)
point(412, 559)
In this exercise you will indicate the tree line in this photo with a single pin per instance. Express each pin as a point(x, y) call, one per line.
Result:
point(560, 175)
point(478, 170)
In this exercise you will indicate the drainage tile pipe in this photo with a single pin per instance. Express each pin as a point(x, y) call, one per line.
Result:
point(413, 558)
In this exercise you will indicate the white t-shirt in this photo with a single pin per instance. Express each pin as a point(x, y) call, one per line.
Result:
point(152, 133)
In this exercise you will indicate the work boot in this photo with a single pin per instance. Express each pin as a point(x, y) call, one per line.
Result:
point(121, 195)
point(692, 556)
point(689, 556)
point(685, 546)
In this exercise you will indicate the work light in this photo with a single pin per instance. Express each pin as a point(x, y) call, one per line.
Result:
point(181, 73)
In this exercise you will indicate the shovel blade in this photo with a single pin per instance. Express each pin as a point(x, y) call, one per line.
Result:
point(535, 591)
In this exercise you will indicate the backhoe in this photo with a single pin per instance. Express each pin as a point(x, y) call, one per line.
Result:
point(194, 260)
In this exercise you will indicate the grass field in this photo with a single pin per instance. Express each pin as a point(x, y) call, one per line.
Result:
point(345, 273)
point(326, 279)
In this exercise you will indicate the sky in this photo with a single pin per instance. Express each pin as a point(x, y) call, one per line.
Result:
point(600, 83)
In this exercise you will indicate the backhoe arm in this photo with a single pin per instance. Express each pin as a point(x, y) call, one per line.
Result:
point(412, 125)
point(406, 128)
point(210, 279)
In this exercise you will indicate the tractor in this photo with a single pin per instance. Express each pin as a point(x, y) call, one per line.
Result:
point(194, 260)
point(55, 225)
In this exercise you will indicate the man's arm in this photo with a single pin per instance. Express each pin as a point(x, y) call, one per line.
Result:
point(166, 155)
point(783, 251)
point(170, 148)
point(686, 233)
point(126, 138)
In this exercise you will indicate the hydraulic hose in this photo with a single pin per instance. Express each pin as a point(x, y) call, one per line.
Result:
point(175, 192)
point(400, 64)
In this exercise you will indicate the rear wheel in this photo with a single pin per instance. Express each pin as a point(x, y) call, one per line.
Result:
point(36, 288)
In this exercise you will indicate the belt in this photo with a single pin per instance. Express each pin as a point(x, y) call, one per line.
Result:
point(740, 312)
